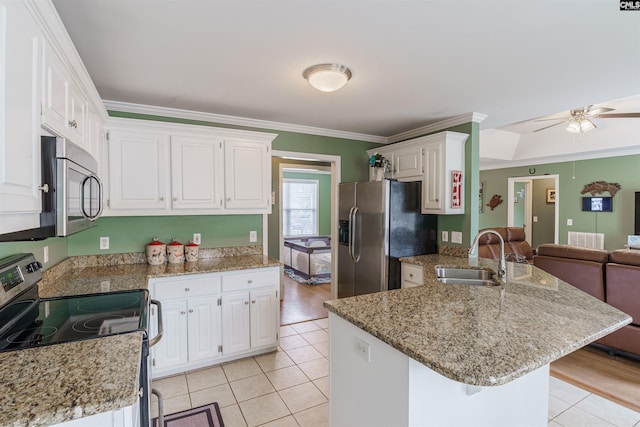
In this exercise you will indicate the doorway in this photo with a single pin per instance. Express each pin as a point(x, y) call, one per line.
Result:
point(302, 301)
point(534, 203)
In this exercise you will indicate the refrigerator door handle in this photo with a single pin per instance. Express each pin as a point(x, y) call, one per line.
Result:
point(355, 244)
point(350, 239)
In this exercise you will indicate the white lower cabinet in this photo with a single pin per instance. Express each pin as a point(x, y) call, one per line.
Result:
point(215, 317)
point(412, 275)
point(191, 323)
point(128, 416)
point(249, 320)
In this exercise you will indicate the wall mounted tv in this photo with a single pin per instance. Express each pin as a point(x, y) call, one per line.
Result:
point(597, 204)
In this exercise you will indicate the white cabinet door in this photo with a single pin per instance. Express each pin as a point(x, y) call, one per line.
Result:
point(235, 323)
point(172, 349)
point(138, 171)
point(76, 115)
point(247, 175)
point(264, 328)
point(56, 88)
point(203, 325)
point(432, 197)
point(407, 163)
point(20, 68)
point(196, 173)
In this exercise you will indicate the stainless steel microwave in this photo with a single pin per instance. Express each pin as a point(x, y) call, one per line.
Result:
point(74, 197)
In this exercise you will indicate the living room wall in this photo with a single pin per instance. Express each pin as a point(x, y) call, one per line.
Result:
point(573, 176)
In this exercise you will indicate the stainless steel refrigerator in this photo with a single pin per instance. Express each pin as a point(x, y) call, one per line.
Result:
point(379, 222)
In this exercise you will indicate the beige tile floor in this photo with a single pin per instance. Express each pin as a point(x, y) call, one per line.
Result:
point(290, 387)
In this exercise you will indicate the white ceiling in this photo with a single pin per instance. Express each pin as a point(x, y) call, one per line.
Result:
point(415, 62)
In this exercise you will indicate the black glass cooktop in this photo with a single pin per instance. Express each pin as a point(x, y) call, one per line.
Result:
point(59, 320)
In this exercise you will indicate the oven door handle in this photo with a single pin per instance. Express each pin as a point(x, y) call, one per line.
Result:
point(153, 341)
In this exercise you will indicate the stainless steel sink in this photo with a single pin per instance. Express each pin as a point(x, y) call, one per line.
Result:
point(465, 276)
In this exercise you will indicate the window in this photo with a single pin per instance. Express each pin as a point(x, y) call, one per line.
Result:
point(300, 207)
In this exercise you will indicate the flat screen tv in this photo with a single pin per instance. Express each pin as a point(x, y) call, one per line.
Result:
point(597, 204)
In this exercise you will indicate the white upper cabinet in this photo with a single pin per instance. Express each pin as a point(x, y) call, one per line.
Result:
point(247, 175)
point(43, 84)
point(138, 168)
point(196, 181)
point(20, 46)
point(438, 161)
point(160, 168)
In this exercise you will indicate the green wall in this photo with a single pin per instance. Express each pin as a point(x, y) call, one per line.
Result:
point(616, 225)
point(132, 233)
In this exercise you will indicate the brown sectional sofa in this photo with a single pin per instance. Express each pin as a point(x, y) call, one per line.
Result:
point(514, 243)
point(613, 277)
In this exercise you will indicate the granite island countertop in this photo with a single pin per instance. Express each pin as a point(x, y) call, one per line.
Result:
point(482, 336)
point(57, 383)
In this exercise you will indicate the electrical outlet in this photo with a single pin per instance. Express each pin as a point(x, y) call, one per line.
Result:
point(362, 348)
point(253, 236)
point(45, 254)
point(535, 218)
point(445, 236)
point(197, 238)
point(456, 237)
point(104, 243)
point(105, 286)
point(569, 221)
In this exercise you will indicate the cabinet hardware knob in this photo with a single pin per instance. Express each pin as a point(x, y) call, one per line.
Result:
point(249, 281)
point(161, 199)
point(183, 312)
point(187, 289)
point(175, 199)
point(246, 303)
point(253, 301)
point(191, 310)
point(411, 275)
point(228, 199)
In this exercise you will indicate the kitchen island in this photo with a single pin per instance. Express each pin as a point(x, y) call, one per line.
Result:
point(448, 354)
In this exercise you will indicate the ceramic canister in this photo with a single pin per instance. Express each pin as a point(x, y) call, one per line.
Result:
point(175, 252)
point(191, 252)
point(156, 252)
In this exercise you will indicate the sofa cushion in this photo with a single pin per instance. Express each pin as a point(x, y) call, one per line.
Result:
point(623, 289)
point(626, 339)
point(625, 256)
point(573, 252)
point(585, 275)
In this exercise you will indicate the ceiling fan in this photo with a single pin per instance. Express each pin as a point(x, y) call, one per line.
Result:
point(581, 119)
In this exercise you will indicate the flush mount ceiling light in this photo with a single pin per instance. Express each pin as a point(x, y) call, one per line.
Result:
point(327, 77)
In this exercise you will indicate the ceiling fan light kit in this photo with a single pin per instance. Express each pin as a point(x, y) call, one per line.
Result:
point(581, 119)
point(581, 125)
point(327, 77)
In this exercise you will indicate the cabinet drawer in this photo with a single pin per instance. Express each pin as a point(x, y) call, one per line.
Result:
point(186, 288)
point(248, 280)
point(412, 275)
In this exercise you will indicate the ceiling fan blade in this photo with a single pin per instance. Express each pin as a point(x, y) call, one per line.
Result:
point(547, 127)
point(620, 116)
point(597, 111)
point(546, 120)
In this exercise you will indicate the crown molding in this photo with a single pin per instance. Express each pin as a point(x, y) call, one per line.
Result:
point(492, 164)
point(126, 107)
point(438, 126)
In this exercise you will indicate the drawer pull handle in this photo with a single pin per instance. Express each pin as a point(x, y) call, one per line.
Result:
point(187, 289)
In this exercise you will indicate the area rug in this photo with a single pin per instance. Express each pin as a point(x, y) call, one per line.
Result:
point(203, 416)
point(613, 377)
point(311, 281)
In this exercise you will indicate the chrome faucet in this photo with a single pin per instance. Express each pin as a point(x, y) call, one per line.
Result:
point(502, 265)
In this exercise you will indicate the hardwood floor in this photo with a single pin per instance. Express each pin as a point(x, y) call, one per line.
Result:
point(615, 378)
point(303, 302)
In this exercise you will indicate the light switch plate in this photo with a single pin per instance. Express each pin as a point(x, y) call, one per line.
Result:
point(456, 237)
point(569, 221)
point(445, 236)
point(253, 236)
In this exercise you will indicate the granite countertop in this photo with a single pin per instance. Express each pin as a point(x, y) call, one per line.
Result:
point(52, 384)
point(478, 335)
point(108, 278)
